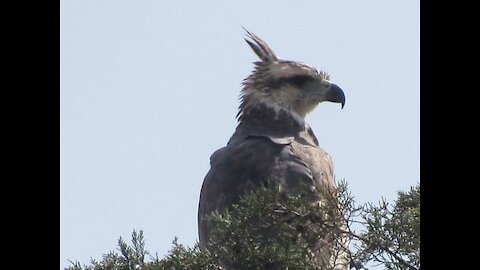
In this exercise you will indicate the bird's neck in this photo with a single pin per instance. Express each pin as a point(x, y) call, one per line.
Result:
point(273, 118)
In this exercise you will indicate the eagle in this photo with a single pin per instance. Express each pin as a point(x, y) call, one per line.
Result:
point(272, 140)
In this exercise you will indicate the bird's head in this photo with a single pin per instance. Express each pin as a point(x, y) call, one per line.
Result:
point(286, 85)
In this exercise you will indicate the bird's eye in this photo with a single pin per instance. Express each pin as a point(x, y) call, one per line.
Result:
point(299, 80)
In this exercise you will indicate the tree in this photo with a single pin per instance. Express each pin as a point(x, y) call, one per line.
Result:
point(388, 235)
point(392, 234)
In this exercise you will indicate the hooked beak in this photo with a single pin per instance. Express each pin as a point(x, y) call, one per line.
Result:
point(334, 93)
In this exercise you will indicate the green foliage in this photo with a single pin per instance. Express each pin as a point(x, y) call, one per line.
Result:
point(181, 257)
point(268, 230)
point(132, 257)
point(392, 234)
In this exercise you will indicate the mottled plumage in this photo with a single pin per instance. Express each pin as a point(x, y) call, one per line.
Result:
point(272, 140)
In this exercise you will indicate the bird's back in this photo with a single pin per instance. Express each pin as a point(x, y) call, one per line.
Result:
point(251, 161)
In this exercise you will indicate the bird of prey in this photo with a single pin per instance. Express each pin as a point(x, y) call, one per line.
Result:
point(272, 140)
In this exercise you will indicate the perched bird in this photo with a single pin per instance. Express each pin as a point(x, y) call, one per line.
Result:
point(272, 140)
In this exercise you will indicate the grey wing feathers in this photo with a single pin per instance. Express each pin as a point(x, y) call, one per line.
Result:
point(234, 169)
point(243, 166)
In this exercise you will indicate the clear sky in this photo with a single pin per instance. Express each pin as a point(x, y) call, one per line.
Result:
point(149, 90)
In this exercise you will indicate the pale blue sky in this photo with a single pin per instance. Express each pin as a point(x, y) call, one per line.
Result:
point(149, 89)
